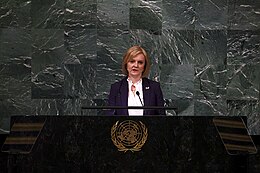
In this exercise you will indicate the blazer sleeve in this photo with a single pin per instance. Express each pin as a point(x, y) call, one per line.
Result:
point(112, 99)
point(159, 99)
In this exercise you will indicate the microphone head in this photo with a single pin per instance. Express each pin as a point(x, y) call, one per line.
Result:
point(137, 93)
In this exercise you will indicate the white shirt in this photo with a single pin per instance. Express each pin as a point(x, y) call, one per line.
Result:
point(133, 99)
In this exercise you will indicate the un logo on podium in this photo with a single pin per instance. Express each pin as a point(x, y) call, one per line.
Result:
point(129, 135)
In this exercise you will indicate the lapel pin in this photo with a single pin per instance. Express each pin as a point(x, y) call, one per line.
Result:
point(147, 88)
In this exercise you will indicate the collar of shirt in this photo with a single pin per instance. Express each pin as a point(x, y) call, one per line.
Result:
point(138, 85)
point(134, 100)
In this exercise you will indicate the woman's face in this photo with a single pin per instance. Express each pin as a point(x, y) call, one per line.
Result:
point(135, 67)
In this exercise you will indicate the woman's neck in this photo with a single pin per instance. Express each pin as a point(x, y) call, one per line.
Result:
point(134, 79)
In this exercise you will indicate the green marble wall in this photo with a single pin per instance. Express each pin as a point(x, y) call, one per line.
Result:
point(59, 55)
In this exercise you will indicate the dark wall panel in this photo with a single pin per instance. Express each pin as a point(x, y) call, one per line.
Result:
point(59, 55)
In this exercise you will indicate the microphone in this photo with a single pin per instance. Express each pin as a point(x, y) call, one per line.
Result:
point(138, 94)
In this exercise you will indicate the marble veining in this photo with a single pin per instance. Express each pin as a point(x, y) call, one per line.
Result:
point(57, 56)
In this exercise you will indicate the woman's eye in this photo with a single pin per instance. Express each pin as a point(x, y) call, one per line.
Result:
point(140, 62)
point(132, 61)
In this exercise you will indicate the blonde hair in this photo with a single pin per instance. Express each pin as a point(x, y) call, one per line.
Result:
point(130, 54)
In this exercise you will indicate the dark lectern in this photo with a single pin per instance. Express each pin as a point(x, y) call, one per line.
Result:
point(85, 144)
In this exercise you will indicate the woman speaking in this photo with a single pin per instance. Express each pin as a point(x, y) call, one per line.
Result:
point(136, 89)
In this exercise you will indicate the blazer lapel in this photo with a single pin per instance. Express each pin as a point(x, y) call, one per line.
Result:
point(124, 95)
point(146, 91)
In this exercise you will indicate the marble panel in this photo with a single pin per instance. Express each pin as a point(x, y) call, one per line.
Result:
point(4, 121)
point(147, 15)
point(177, 81)
point(243, 47)
point(15, 63)
point(15, 74)
point(185, 107)
point(95, 102)
point(113, 14)
point(248, 108)
point(211, 14)
point(217, 107)
point(15, 13)
point(210, 47)
point(77, 107)
point(20, 105)
point(80, 14)
point(15, 80)
point(178, 14)
point(81, 46)
point(210, 82)
point(243, 15)
point(80, 81)
point(177, 47)
point(48, 107)
point(243, 82)
point(47, 59)
point(15, 43)
point(48, 14)
point(112, 45)
point(151, 43)
point(57, 56)
point(62, 107)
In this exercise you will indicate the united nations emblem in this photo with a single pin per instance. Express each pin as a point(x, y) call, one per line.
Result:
point(129, 135)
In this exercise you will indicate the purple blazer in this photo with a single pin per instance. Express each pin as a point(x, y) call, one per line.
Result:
point(152, 96)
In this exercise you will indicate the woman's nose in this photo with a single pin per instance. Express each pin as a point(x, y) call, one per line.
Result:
point(135, 64)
